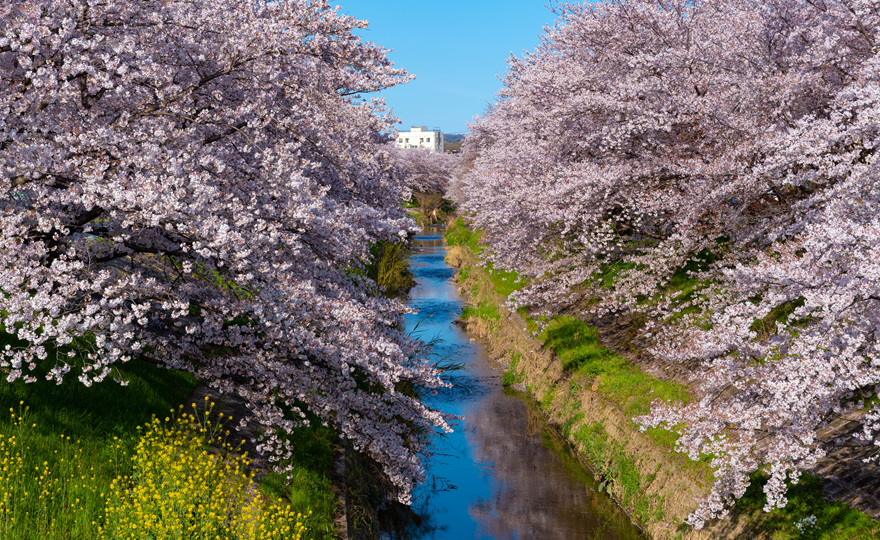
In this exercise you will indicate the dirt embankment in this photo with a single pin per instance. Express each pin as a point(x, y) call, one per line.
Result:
point(652, 484)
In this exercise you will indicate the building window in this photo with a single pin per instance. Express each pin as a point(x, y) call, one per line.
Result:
point(428, 140)
point(400, 139)
point(422, 140)
point(407, 139)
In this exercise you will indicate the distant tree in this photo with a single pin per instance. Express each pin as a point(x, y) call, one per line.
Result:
point(453, 147)
point(423, 170)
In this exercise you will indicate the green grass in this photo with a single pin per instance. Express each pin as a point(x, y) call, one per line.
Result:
point(834, 519)
point(105, 409)
point(309, 488)
point(576, 344)
point(504, 282)
point(511, 376)
point(98, 426)
point(458, 234)
point(485, 310)
point(85, 437)
point(602, 507)
point(618, 468)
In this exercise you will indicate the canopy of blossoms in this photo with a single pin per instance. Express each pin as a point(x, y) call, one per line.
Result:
point(199, 183)
point(642, 136)
point(424, 170)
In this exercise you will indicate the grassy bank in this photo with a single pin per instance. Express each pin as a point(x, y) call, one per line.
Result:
point(65, 445)
point(74, 460)
point(576, 345)
point(591, 393)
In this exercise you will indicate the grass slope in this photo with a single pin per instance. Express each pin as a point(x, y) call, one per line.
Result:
point(72, 441)
point(76, 440)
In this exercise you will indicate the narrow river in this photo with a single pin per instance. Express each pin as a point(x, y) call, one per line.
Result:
point(504, 473)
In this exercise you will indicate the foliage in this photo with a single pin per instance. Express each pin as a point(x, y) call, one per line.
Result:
point(94, 430)
point(459, 234)
point(809, 513)
point(724, 147)
point(504, 282)
point(169, 167)
point(389, 268)
point(618, 468)
point(60, 487)
point(181, 488)
point(512, 376)
point(78, 438)
point(509, 379)
point(309, 491)
point(484, 310)
point(432, 208)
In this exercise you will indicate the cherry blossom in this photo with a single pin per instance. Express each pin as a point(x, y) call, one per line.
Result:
point(198, 183)
point(737, 139)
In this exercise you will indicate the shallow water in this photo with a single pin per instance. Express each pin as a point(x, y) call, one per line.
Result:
point(503, 474)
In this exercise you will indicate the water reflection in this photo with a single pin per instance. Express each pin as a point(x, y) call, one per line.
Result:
point(504, 474)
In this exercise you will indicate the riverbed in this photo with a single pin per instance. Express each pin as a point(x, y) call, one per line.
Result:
point(504, 473)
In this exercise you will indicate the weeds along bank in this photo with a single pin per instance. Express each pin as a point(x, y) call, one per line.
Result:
point(592, 392)
point(134, 463)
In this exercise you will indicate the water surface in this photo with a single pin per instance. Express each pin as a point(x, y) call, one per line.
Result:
point(504, 474)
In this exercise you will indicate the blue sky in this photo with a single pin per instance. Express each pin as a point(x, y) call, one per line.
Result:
point(456, 48)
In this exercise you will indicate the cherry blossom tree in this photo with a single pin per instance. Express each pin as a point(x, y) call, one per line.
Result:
point(425, 171)
point(428, 174)
point(643, 136)
point(770, 392)
point(198, 183)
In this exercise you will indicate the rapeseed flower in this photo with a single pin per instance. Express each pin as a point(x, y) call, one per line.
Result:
point(181, 487)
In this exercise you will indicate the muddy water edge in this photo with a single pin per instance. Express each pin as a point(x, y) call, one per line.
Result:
point(504, 473)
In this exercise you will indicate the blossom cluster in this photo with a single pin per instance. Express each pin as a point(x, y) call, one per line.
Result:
point(424, 170)
point(198, 183)
point(735, 139)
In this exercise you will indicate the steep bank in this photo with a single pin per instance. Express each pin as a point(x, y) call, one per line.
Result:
point(654, 486)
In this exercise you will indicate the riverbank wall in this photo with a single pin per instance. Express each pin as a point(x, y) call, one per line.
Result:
point(655, 486)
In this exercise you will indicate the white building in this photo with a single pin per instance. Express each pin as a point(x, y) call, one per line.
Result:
point(422, 137)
